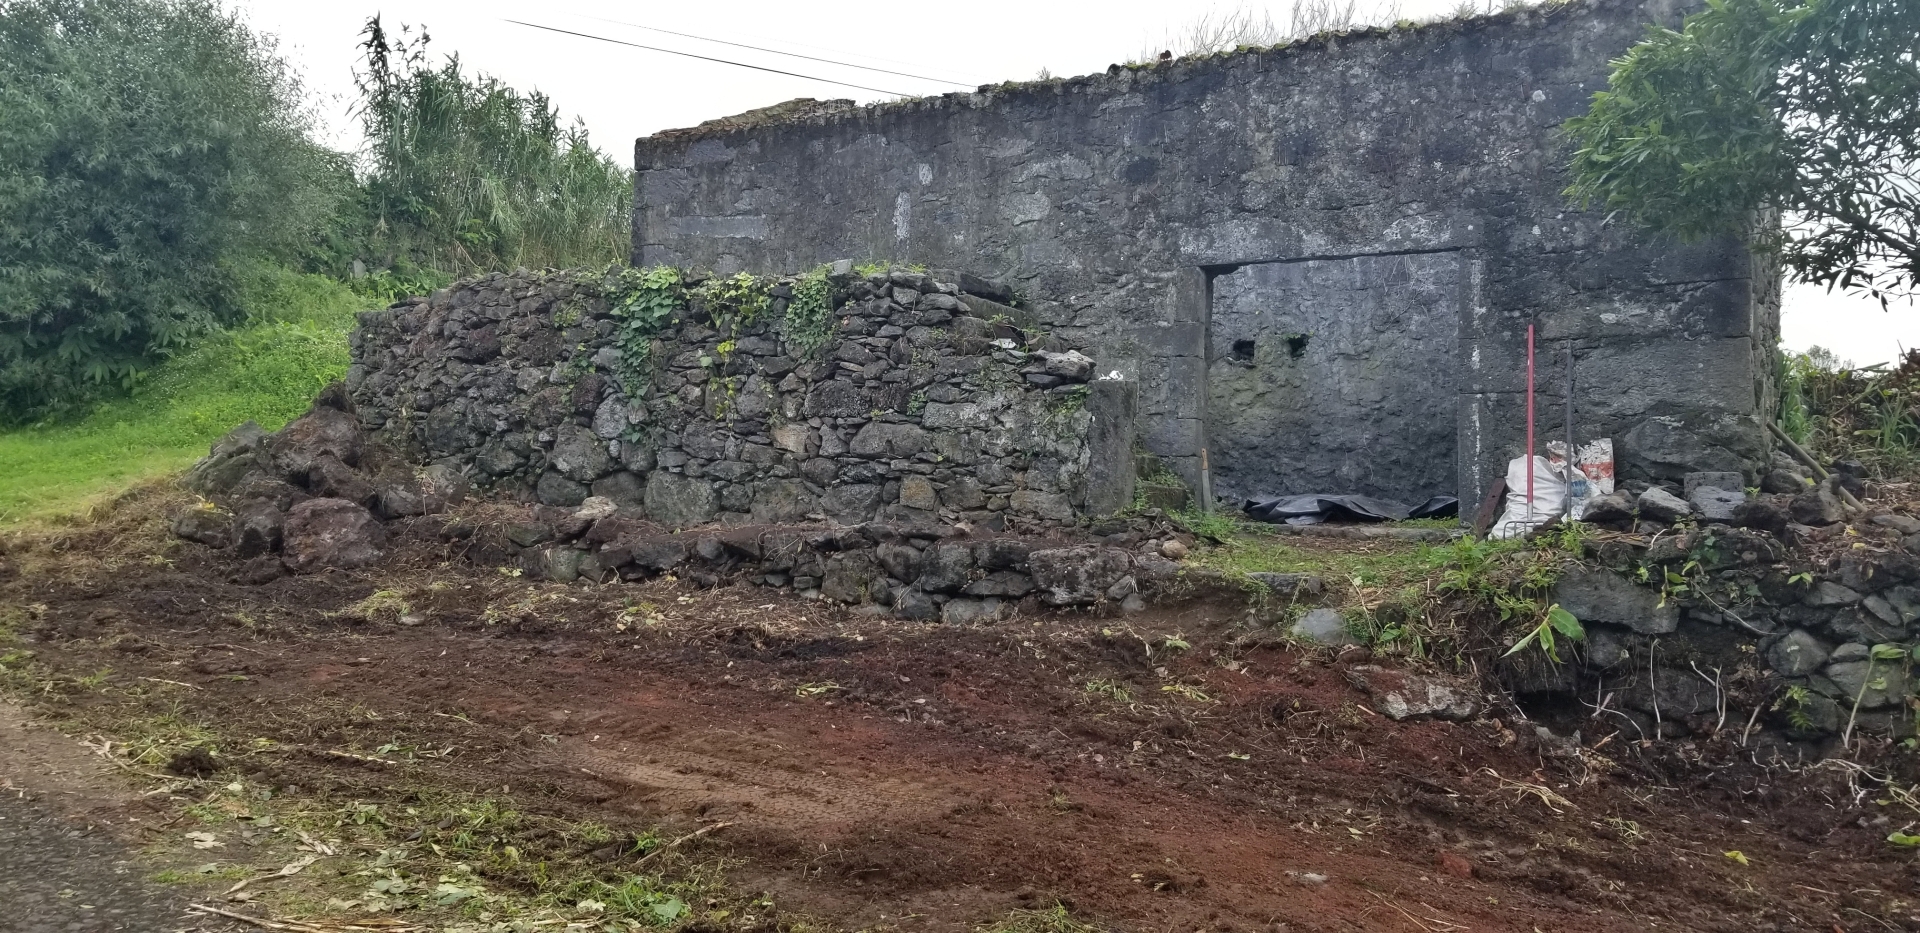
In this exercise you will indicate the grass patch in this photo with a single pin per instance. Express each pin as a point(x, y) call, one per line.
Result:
point(1245, 548)
point(1394, 593)
point(267, 370)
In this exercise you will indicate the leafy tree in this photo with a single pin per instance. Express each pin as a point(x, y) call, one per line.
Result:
point(150, 148)
point(1805, 111)
point(463, 172)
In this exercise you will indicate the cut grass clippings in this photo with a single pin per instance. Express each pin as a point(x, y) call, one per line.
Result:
point(267, 370)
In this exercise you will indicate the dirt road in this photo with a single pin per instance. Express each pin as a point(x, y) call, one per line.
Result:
point(68, 835)
point(873, 774)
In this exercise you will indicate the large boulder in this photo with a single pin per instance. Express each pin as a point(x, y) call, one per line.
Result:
point(232, 460)
point(322, 432)
point(626, 489)
point(556, 488)
point(1663, 448)
point(1797, 654)
point(259, 527)
point(1818, 506)
point(901, 561)
point(1402, 695)
point(1716, 505)
point(917, 492)
point(1322, 627)
point(884, 439)
point(680, 501)
point(429, 492)
point(328, 478)
point(1875, 684)
point(1662, 506)
point(851, 577)
point(1605, 596)
point(334, 534)
point(205, 524)
point(1072, 365)
point(1611, 509)
point(1077, 575)
point(945, 567)
point(782, 501)
point(852, 503)
point(580, 455)
point(1002, 554)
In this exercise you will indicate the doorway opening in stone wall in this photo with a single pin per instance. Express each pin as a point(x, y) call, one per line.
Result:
point(1335, 375)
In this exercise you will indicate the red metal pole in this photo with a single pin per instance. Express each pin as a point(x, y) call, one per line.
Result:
point(1529, 420)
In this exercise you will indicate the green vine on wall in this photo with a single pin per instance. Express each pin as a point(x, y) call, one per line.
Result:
point(809, 319)
point(733, 302)
point(644, 303)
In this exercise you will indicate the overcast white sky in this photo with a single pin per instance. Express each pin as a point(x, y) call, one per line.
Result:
point(623, 93)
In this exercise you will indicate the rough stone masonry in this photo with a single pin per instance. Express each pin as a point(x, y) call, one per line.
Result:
point(911, 409)
point(1319, 260)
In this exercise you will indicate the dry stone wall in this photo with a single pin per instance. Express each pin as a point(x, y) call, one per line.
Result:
point(1725, 610)
point(904, 398)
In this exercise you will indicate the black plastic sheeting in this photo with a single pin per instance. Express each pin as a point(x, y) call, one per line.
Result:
point(1314, 509)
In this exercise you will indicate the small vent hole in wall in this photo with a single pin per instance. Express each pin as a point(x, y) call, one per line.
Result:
point(1296, 345)
point(1243, 350)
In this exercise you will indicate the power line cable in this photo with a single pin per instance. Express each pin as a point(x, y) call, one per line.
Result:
point(756, 48)
point(705, 58)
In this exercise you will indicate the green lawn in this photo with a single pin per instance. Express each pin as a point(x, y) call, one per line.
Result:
point(268, 370)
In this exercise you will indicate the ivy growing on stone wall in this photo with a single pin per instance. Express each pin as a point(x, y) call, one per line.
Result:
point(733, 302)
point(808, 324)
point(643, 301)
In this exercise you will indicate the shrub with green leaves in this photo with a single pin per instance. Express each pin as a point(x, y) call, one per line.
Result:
point(149, 147)
point(1755, 109)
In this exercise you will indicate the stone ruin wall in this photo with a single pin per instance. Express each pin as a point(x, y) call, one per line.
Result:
point(925, 404)
point(1392, 197)
point(909, 462)
point(926, 458)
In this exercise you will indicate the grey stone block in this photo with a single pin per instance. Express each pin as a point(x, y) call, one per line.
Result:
point(1797, 654)
point(680, 501)
point(1877, 684)
point(1724, 481)
point(1111, 405)
point(967, 611)
point(1402, 695)
point(1659, 505)
point(555, 488)
point(1077, 575)
point(1715, 505)
point(1323, 627)
point(1605, 596)
point(625, 489)
point(1829, 593)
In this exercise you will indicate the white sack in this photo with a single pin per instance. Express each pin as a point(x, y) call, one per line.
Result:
point(1549, 496)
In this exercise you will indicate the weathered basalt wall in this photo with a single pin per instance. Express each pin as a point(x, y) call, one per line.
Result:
point(1147, 212)
point(914, 409)
point(324, 494)
point(1779, 610)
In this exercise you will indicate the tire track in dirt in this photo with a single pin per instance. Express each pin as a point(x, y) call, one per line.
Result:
point(881, 804)
point(729, 788)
